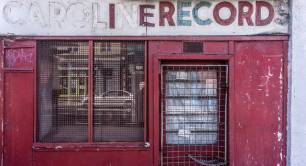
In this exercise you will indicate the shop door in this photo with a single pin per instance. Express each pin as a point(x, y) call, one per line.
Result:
point(186, 131)
point(193, 111)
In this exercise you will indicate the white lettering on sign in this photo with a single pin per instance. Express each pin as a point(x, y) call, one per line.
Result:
point(141, 18)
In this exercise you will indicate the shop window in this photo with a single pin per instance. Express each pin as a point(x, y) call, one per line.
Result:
point(194, 111)
point(118, 91)
point(63, 83)
point(64, 87)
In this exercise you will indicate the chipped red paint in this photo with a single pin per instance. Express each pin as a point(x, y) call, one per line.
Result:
point(285, 99)
point(266, 115)
point(257, 104)
point(252, 126)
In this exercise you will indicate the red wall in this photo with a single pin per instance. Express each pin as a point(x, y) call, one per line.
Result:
point(257, 105)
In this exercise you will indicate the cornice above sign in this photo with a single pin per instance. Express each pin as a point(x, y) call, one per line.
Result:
point(142, 18)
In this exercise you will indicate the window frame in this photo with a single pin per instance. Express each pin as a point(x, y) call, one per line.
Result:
point(204, 65)
point(90, 144)
point(157, 60)
point(222, 62)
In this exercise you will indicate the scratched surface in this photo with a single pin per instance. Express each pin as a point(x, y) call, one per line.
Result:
point(127, 18)
point(258, 104)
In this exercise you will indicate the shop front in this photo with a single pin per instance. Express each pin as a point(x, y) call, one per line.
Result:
point(144, 83)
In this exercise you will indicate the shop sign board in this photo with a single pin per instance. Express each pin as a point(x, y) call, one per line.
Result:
point(142, 18)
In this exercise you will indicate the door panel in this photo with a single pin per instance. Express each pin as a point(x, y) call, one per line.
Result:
point(19, 58)
point(193, 114)
point(258, 104)
point(18, 119)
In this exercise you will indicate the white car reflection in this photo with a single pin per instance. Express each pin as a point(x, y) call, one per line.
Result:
point(114, 105)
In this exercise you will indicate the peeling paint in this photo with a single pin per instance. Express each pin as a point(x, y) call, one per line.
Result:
point(279, 136)
point(248, 97)
point(239, 124)
point(58, 147)
point(282, 8)
point(266, 81)
point(281, 155)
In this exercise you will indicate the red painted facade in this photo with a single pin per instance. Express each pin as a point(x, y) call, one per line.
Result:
point(256, 116)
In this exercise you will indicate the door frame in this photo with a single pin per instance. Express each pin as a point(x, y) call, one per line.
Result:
point(154, 70)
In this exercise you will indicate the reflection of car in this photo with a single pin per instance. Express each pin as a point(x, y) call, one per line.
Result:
point(114, 105)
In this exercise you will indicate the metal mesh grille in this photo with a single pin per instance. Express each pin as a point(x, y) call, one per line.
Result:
point(63, 77)
point(118, 91)
point(194, 115)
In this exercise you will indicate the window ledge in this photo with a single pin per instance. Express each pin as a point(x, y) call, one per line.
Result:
point(109, 146)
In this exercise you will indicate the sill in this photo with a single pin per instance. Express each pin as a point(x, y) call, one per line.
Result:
point(95, 147)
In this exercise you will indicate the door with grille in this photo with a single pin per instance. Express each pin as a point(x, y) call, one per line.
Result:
point(193, 115)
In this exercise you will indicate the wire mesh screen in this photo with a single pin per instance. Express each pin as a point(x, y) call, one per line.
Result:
point(194, 115)
point(63, 77)
point(118, 91)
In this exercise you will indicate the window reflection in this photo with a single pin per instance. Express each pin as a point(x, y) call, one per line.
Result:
point(118, 91)
point(191, 105)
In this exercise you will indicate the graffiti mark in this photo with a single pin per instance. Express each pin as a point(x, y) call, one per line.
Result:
point(18, 56)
